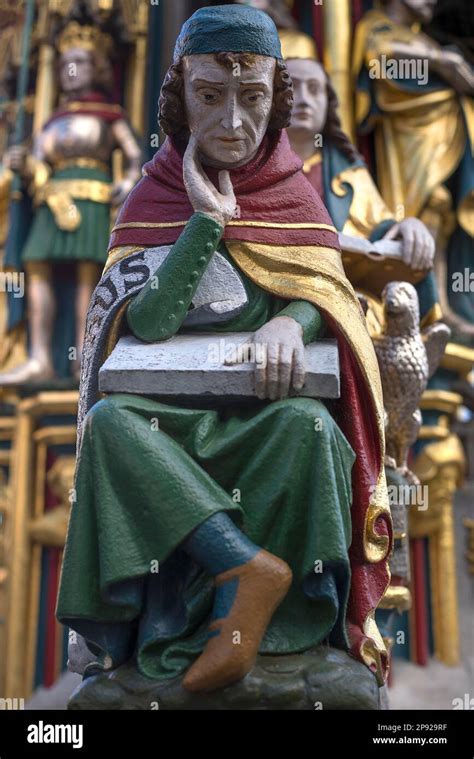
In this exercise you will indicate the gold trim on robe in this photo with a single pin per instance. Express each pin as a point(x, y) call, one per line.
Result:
point(316, 274)
point(368, 209)
point(420, 137)
point(241, 223)
point(59, 195)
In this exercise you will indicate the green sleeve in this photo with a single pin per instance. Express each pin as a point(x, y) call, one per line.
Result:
point(308, 316)
point(159, 309)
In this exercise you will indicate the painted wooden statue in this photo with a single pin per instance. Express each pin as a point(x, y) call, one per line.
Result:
point(309, 476)
point(69, 176)
point(417, 98)
point(338, 172)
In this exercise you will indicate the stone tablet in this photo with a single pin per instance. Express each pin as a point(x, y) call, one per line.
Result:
point(193, 366)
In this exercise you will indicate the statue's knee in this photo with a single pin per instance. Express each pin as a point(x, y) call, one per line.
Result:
point(104, 415)
point(305, 414)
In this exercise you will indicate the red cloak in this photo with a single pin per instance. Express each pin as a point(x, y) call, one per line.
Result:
point(273, 189)
point(276, 204)
point(94, 104)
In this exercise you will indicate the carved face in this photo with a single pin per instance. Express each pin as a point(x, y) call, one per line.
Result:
point(423, 10)
point(76, 70)
point(228, 109)
point(401, 305)
point(310, 100)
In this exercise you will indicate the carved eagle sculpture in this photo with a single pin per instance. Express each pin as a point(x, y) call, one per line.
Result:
point(407, 358)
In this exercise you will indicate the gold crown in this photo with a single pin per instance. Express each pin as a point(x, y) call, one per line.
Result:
point(83, 36)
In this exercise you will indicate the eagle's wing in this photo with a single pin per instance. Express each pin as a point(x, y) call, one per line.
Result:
point(435, 339)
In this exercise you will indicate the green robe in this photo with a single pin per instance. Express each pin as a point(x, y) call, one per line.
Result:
point(47, 242)
point(150, 472)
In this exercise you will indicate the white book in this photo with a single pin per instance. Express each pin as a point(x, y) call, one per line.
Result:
point(194, 365)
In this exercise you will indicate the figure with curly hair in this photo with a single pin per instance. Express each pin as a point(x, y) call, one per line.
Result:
point(338, 172)
point(256, 513)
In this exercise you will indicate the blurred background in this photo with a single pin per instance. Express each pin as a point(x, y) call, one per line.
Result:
point(429, 622)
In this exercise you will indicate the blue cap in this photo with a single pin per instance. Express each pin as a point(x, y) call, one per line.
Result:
point(228, 29)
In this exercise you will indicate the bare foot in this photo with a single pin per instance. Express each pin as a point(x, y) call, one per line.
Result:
point(32, 370)
point(231, 652)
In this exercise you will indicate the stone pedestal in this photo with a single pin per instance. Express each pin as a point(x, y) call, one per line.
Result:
point(323, 678)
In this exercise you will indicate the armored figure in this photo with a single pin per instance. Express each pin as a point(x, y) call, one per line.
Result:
point(69, 176)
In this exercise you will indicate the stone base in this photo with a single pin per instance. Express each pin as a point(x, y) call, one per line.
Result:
point(323, 678)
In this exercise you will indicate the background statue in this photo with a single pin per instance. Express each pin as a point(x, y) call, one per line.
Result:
point(69, 177)
point(291, 37)
point(417, 99)
point(337, 171)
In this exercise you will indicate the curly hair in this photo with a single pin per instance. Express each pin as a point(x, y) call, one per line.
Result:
point(333, 130)
point(171, 110)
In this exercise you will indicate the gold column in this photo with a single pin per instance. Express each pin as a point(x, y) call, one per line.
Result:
point(21, 555)
point(7, 431)
point(337, 56)
point(136, 76)
point(45, 89)
point(46, 529)
point(443, 562)
point(17, 552)
point(441, 466)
